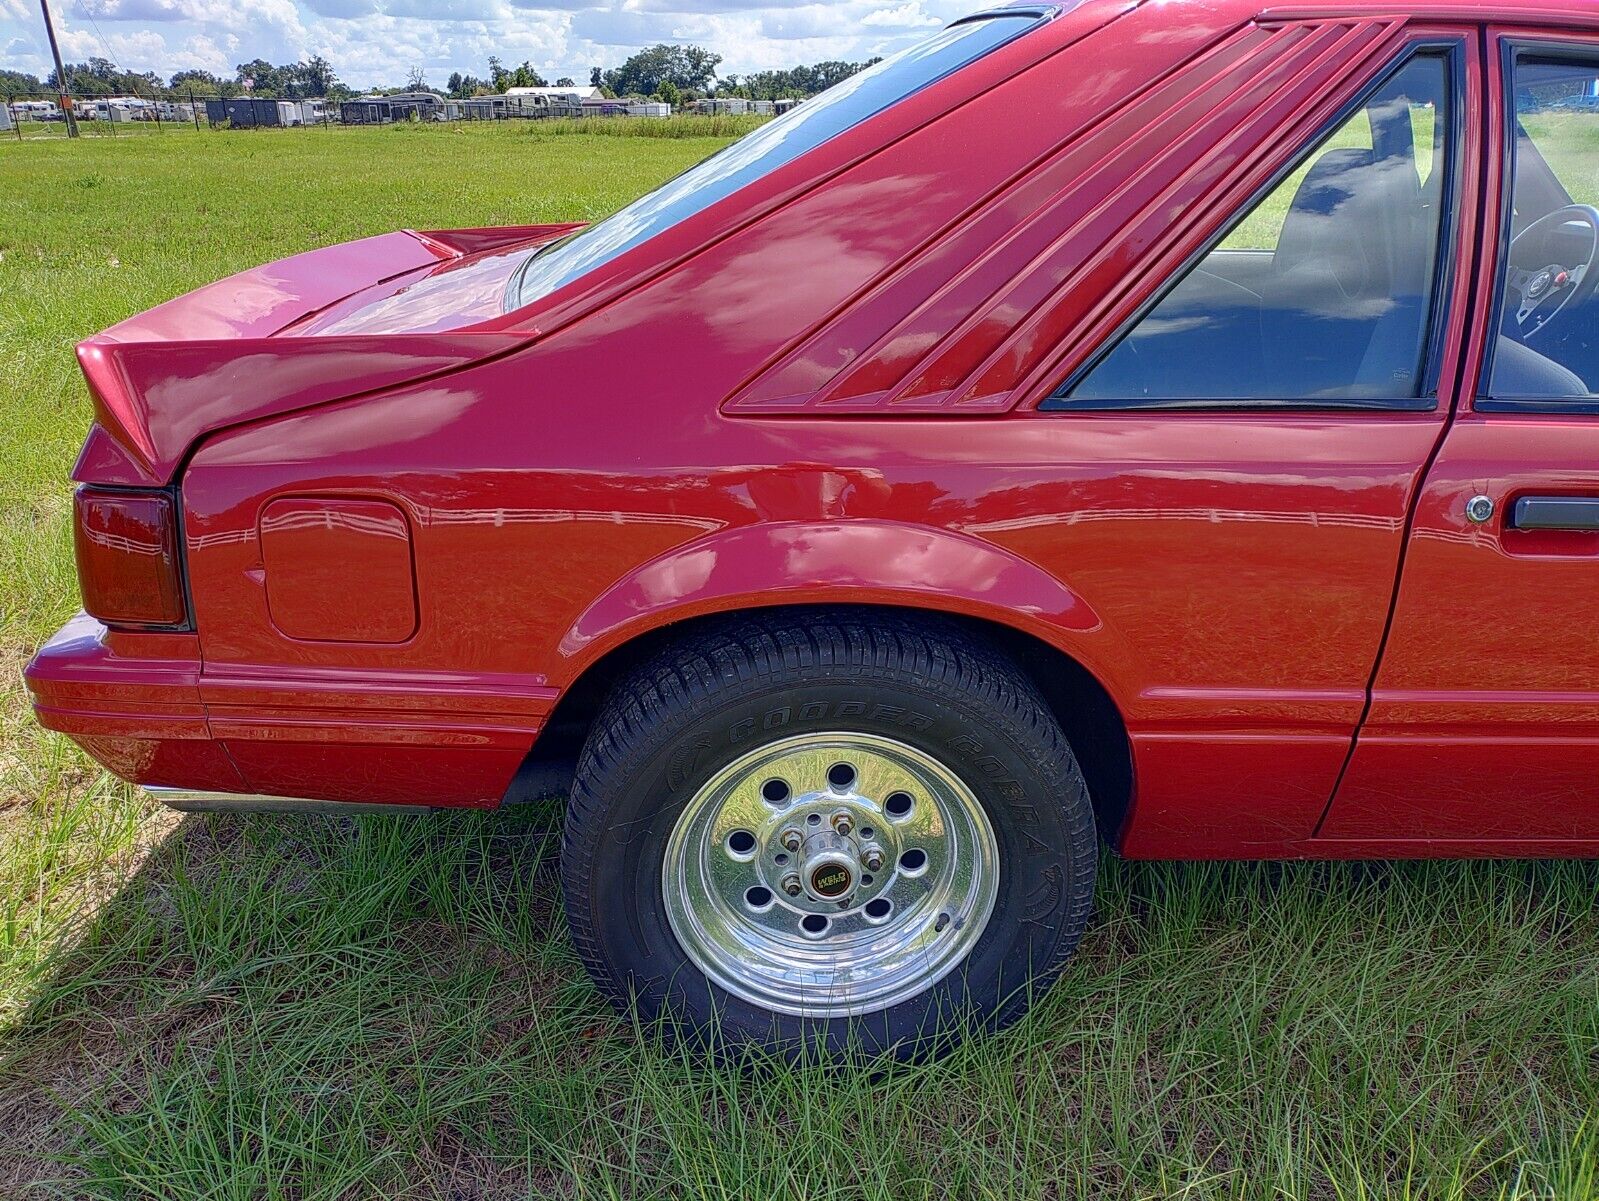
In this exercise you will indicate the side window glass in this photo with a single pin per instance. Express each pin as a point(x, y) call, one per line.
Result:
point(1547, 348)
point(1322, 291)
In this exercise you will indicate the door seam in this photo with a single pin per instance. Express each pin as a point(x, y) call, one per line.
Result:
point(1461, 354)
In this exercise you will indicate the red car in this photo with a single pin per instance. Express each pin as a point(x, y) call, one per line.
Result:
point(1171, 423)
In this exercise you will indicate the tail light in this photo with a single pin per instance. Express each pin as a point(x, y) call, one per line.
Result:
point(128, 558)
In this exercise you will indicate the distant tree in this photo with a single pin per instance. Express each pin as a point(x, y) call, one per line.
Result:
point(259, 77)
point(526, 77)
point(797, 82)
point(596, 77)
point(499, 77)
point(669, 93)
point(202, 81)
point(317, 78)
point(682, 66)
point(566, 81)
point(460, 86)
point(13, 83)
point(102, 77)
point(416, 80)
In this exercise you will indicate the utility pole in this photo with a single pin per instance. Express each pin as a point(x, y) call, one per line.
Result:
point(61, 72)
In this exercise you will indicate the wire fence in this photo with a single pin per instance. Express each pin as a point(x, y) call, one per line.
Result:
point(33, 115)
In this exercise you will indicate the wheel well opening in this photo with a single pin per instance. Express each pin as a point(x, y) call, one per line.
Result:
point(1092, 722)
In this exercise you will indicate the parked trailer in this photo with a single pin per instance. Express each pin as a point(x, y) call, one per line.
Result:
point(6, 123)
point(564, 106)
point(366, 111)
point(420, 106)
point(253, 112)
point(536, 105)
point(733, 105)
point(35, 110)
point(649, 108)
point(565, 101)
point(113, 108)
point(483, 108)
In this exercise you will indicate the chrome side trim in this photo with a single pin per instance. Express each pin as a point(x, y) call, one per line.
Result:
point(190, 800)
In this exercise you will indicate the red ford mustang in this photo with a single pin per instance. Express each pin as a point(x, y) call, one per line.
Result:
point(1175, 423)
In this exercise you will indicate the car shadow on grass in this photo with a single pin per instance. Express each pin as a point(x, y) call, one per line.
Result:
point(305, 1007)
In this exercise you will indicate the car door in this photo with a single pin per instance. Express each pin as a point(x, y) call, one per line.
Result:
point(1484, 717)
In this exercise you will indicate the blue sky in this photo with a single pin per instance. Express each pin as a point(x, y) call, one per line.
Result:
point(373, 42)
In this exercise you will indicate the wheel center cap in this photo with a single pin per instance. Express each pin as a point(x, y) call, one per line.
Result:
point(828, 866)
point(831, 880)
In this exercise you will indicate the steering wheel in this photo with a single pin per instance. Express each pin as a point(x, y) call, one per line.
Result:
point(1543, 289)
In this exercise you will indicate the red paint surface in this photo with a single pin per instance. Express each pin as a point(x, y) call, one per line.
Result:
point(699, 427)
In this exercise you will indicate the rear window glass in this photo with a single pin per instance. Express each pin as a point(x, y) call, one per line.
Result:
point(778, 142)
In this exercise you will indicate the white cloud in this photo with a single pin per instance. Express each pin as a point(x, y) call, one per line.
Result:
point(373, 42)
point(903, 16)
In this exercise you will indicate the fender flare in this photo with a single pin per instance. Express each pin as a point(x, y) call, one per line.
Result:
point(854, 561)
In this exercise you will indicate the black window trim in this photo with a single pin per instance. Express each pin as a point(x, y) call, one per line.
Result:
point(1511, 53)
point(1452, 49)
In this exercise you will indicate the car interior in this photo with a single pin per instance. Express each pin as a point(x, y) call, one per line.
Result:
point(1547, 316)
point(1336, 305)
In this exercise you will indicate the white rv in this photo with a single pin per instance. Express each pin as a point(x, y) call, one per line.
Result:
point(35, 110)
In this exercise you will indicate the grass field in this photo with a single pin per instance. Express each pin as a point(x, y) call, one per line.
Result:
point(309, 1008)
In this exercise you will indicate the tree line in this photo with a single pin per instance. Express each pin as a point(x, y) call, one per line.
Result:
point(101, 77)
point(675, 74)
point(682, 73)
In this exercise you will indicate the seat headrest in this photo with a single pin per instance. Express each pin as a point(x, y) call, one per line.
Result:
point(1355, 215)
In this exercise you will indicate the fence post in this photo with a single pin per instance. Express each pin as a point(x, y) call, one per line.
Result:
point(194, 112)
point(12, 113)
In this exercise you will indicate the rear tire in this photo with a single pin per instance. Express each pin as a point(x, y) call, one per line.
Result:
point(716, 781)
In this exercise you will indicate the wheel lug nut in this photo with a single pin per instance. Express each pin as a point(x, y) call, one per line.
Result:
point(791, 839)
point(843, 823)
point(791, 885)
point(872, 858)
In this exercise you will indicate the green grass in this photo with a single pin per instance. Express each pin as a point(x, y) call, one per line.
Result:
point(310, 1008)
point(714, 125)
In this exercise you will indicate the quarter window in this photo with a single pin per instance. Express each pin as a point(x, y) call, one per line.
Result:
point(1322, 292)
point(1546, 352)
point(781, 141)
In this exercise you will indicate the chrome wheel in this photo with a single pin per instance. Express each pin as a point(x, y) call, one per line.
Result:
point(828, 875)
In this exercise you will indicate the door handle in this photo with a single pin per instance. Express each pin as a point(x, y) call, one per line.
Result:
point(1556, 513)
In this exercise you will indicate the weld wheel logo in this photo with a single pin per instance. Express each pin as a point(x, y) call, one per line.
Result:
point(830, 880)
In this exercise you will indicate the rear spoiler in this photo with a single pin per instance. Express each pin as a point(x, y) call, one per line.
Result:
point(214, 358)
point(153, 400)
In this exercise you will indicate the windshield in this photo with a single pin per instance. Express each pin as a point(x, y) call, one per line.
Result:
point(780, 141)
